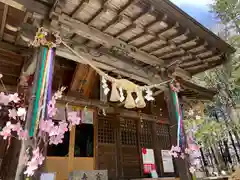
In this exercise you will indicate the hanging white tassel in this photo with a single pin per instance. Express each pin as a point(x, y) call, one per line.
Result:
point(149, 96)
point(129, 103)
point(121, 95)
point(105, 86)
point(140, 100)
point(114, 93)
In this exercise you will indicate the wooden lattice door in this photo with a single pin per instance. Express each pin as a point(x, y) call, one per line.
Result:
point(163, 142)
point(129, 149)
point(106, 147)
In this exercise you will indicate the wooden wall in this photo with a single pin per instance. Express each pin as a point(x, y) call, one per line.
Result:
point(119, 143)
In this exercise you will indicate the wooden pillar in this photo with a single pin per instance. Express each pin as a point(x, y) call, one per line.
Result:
point(181, 165)
point(38, 54)
point(139, 146)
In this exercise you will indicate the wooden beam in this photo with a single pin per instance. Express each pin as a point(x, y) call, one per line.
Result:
point(26, 17)
point(174, 27)
point(30, 5)
point(120, 13)
point(191, 63)
point(112, 64)
point(107, 40)
point(4, 18)
point(9, 88)
point(103, 9)
point(79, 8)
point(198, 89)
point(179, 72)
point(16, 50)
point(205, 65)
point(212, 59)
point(108, 108)
point(9, 61)
point(145, 29)
point(13, 4)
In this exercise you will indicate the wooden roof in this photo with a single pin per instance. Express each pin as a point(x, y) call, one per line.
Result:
point(138, 39)
point(152, 32)
point(195, 92)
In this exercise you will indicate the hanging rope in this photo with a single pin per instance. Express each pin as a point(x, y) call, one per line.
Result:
point(117, 84)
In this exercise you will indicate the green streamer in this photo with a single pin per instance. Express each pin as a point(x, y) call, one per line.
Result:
point(39, 84)
point(194, 177)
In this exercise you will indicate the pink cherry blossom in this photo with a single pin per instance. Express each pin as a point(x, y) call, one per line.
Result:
point(58, 94)
point(188, 151)
point(56, 139)
point(1, 76)
point(14, 97)
point(31, 167)
point(46, 125)
point(182, 156)
point(63, 126)
point(73, 118)
point(34, 162)
point(176, 149)
point(23, 134)
point(12, 113)
point(52, 110)
point(6, 131)
point(55, 131)
point(16, 127)
point(21, 112)
point(4, 99)
point(174, 154)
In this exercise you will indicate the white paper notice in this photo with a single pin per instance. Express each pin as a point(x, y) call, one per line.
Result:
point(48, 176)
point(87, 117)
point(148, 157)
point(167, 162)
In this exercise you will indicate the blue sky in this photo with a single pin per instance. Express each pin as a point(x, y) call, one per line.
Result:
point(199, 10)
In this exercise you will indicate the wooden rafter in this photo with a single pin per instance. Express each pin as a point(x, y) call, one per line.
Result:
point(79, 8)
point(137, 39)
point(120, 13)
point(4, 18)
point(107, 40)
point(98, 13)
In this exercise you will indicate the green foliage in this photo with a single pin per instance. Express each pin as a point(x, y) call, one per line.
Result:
point(206, 130)
point(228, 11)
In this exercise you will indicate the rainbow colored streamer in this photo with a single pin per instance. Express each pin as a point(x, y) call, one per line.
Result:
point(43, 93)
point(179, 116)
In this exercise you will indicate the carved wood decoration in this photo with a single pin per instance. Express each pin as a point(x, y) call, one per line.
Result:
point(83, 80)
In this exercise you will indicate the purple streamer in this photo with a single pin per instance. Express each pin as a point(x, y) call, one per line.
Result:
point(49, 85)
